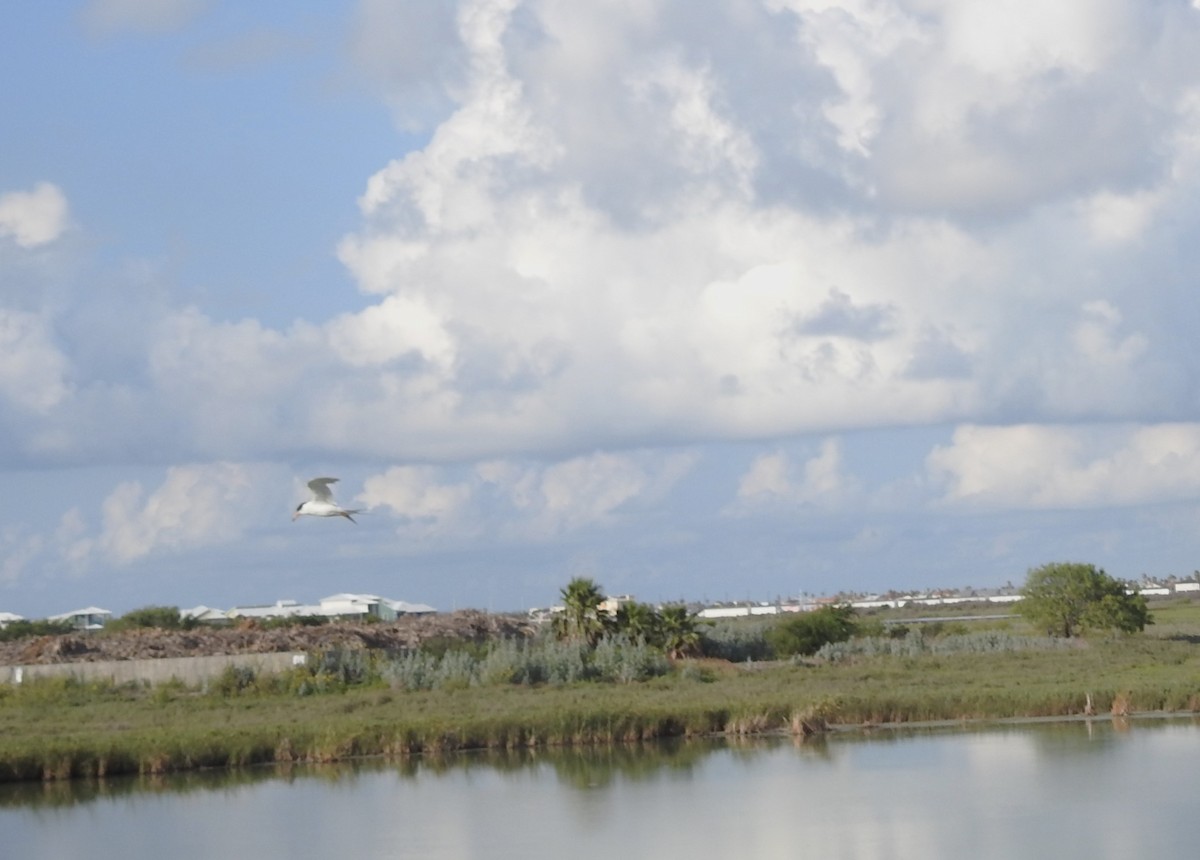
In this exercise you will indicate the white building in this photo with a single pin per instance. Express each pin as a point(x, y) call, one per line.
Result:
point(7, 618)
point(356, 606)
point(89, 618)
point(205, 615)
point(739, 610)
point(403, 607)
point(344, 606)
point(278, 609)
point(613, 603)
point(724, 612)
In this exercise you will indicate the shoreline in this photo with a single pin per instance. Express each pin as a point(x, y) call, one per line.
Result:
point(440, 758)
point(51, 732)
point(65, 728)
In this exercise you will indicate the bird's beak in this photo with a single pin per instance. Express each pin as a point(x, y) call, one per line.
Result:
point(294, 517)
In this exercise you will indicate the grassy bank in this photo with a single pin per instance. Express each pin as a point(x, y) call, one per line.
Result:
point(62, 729)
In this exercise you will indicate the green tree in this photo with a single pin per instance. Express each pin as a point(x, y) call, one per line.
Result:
point(581, 618)
point(805, 632)
point(1066, 598)
point(680, 635)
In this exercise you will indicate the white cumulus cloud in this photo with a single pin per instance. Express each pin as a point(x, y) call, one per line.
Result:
point(33, 370)
point(1039, 467)
point(196, 505)
point(417, 496)
point(630, 226)
point(510, 500)
point(33, 218)
point(774, 480)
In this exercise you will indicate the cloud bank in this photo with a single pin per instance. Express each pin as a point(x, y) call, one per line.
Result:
point(633, 237)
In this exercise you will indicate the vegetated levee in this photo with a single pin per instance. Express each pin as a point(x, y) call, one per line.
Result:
point(59, 729)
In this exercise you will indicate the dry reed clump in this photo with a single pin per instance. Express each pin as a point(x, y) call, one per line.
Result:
point(805, 724)
point(1121, 706)
point(750, 724)
point(816, 718)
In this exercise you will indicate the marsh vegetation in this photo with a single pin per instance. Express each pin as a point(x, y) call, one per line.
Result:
point(591, 677)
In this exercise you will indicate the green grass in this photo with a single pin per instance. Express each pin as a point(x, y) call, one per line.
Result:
point(58, 729)
point(1176, 617)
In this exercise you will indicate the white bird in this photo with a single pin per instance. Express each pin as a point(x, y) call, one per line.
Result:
point(322, 504)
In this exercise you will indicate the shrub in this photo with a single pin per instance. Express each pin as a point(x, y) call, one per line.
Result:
point(916, 643)
point(344, 665)
point(412, 670)
point(737, 640)
point(457, 670)
point(619, 658)
point(509, 662)
point(160, 617)
point(15, 630)
point(806, 632)
point(564, 662)
point(549, 661)
point(234, 680)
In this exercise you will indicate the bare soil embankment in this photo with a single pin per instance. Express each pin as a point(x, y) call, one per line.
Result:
point(251, 638)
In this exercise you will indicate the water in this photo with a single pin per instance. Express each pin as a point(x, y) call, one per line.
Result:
point(1067, 790)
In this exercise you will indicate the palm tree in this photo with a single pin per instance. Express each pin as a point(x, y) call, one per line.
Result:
point(639, 621)
point(681, 638)
point(581, 617)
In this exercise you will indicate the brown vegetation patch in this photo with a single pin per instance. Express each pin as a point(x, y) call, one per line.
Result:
point(1121, 706)
point(251, 638)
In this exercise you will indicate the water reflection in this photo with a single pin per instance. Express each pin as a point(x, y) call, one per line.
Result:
point(1079, 789)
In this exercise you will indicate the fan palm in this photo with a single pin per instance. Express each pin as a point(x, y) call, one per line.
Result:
point(681, 638)
point(581, 618)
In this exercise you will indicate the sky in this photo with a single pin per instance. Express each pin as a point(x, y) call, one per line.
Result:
point(737, 300)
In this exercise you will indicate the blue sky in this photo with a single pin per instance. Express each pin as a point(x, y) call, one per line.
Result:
point(790, 296)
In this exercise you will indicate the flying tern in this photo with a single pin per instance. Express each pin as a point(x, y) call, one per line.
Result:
point(322, 504)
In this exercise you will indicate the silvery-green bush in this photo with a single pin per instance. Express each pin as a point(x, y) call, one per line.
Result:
point(563, 662)
point(411, 670)
point(456, 670)
point(618, 658)
point(738, 640)
point(916, 643)
point(546, 661)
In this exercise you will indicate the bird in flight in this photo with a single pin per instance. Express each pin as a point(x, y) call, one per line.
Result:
point(322, 504)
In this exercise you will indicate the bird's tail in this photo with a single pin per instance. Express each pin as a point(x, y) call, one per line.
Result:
point(347, 514)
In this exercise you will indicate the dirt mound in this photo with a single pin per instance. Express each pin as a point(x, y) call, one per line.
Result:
point(408, 631)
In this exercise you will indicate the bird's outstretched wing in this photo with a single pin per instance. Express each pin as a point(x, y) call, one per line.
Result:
point(320, 488)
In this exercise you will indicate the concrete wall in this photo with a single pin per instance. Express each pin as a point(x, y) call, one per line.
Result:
point(192, 671)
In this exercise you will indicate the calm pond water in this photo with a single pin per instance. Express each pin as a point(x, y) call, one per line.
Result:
point(1093, 789)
